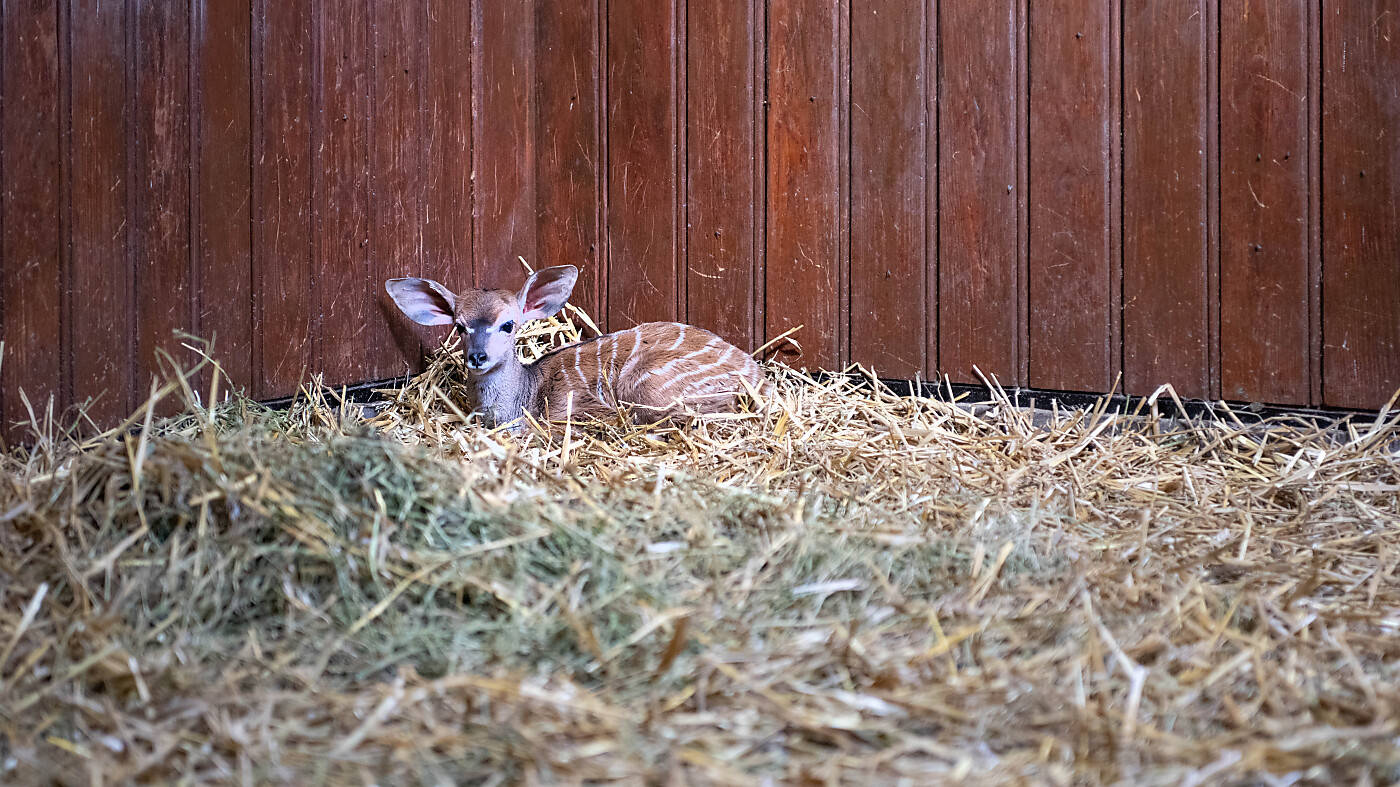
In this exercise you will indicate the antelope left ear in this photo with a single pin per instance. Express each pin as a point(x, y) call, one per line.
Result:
point(546, 291)
point(423, 300)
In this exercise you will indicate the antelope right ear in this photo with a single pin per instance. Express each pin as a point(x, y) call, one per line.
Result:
point(546, 291)
point(423, 300)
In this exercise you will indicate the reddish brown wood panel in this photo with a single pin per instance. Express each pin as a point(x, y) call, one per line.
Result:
point(1072, 65)
point(447, 168)
point(889, 167)
point(722, 186)
point(569, 161)
point(978, 309)
point(642, 162)
point(352, 337)
point(164, 283)
point(103, 323)
point(30, 236)
point(503, 154)
point(923, 186)
point(1264, 287)
point(1361, 168)
point(803, 199)
point(223, 261)
point(284, 294)
point(396, 166)
point(1166, 247)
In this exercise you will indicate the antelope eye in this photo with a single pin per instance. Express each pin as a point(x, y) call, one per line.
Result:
point(507, 326)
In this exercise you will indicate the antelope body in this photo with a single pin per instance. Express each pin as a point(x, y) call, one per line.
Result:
point(651, 372)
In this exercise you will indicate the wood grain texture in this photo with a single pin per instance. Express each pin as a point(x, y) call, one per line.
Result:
point(721, 189)
point(447, 169)
point(889, 165)
point(284, 293)
point(1072, 269)
point(352, 337)
point(1361, 171)
point(1166, 212)
point(223, 199)
point(1264, 332)
point(803, 199)
point(977, 308)
point(102, 327)
point(642, 162)
point(30, 236)
point(396, 172)
point(569, 161)
point(164, 279)
point(503, 150)
point(924, 186)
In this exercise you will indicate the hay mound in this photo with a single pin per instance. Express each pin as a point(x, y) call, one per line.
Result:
point(847, 587)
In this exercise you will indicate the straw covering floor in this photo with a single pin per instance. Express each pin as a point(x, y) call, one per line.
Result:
point(844, 587)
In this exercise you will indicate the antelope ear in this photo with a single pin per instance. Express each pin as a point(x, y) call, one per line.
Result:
point(423, 300)
point(546, 291)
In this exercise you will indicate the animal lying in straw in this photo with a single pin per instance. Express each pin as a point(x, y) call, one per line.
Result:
point(651, 372)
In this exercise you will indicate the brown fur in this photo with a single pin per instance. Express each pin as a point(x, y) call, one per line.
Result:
point(648, 373)
point(654, 371)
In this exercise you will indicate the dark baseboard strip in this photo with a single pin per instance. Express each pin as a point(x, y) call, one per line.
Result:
point(359, 393)
point(1044, 399)
point(1038, 398)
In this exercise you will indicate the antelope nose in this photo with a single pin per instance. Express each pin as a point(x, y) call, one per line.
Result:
point(476, 359)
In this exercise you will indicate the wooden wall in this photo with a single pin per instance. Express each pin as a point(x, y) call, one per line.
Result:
point(1201, 192)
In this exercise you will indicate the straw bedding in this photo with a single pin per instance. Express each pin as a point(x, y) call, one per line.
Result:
point(843, 587)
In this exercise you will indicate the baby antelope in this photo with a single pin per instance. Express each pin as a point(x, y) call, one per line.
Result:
point(651, 372)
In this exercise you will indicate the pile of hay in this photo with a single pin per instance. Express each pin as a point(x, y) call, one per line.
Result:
point(847, 587)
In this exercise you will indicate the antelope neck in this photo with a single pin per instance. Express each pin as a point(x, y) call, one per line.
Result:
point(506, 390)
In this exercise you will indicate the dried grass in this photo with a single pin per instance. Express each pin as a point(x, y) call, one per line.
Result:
point(846, 587)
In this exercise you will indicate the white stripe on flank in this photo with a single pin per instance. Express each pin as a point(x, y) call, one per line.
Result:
point(680, 337)
point(583, 381)
point(598, 381)
point(666, 367)
point(631, 354)
point(612, 369)
point(718, 363)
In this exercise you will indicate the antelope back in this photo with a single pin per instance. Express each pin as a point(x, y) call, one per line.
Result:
point(653, 371)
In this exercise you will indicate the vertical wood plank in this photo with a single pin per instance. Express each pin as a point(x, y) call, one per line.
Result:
point(284, 295)
point(804, 145)
point(642, 162)
point(721, 188)
point(568, 163)
point(29, 228)
point(1264, 287)
point(447, 226)
point(351, 334)
point(1361, 171)
point(1072, 51)
point(1166, 220)
point(978, 235)
point(503, 147)
point(396, 204)
point(223, 254)
point(164, 285)
point(102, 328)
point(888, 171)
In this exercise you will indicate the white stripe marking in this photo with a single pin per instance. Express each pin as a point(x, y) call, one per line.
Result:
point(578, 369)
point(598, 381)
point(666, 367)
point(632, 356)
point(719, 363)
